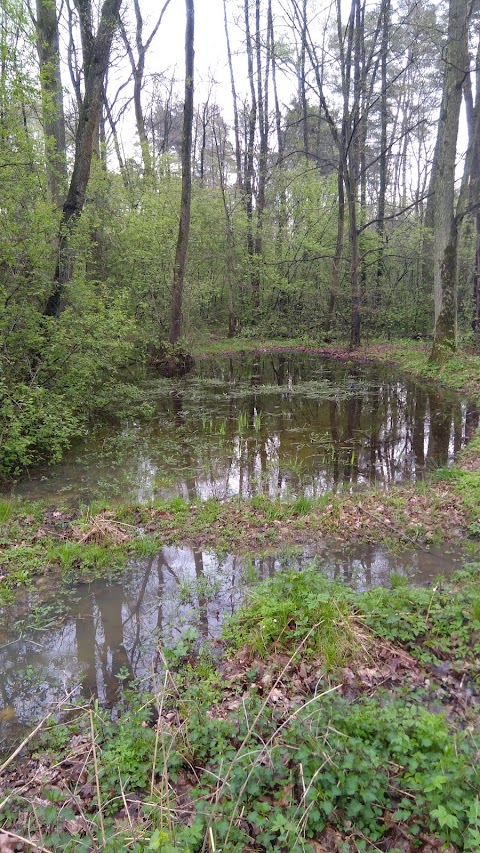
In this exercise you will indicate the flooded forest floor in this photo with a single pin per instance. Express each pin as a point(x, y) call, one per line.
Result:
point(324, 719)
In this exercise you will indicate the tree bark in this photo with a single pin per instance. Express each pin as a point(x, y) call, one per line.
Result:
point(53, 117)
point(250, 161)
point(95, 66)
point(184, 225)
point(445, 222)
point(236, 123)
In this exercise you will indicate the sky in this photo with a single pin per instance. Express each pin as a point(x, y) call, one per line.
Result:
point(168, 49)
point(211, 62)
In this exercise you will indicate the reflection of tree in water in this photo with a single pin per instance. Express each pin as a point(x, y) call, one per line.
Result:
point(377, 432)
point(418, 434)
point(85, 636)
point(472, 418)
point(441, 416)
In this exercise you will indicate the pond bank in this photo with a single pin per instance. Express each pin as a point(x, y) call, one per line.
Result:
point(84, 543)
point(327, 720)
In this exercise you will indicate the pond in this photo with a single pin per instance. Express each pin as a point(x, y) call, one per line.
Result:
point(278, 424)
point(91, 637)
point(281, 425)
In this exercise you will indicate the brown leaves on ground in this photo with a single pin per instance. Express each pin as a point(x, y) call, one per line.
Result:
point(369, 516)
point(376, 664)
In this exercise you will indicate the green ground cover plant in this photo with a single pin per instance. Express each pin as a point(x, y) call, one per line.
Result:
point(199, 758)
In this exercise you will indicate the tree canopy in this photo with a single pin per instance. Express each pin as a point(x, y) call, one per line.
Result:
point(328, 191)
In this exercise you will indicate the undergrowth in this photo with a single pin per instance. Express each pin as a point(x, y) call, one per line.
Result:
point(191, 763)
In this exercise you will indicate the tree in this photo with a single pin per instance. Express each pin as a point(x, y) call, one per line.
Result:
point(48, 47)
point(445, 219)
point(185, 202)
point(96, 54)
point(138, 69)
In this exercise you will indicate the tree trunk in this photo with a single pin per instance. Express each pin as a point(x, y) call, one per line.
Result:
point(138, 70)
point(95, 66)
point(250, 159)
point(445, 224)
point(263, 122)
point(383, 148)
point(53, 117)
point(337, 261)
point(184, 225)
point(236, 123)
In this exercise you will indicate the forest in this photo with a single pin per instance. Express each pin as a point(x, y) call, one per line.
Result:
point(239, 426)
point(347, 214)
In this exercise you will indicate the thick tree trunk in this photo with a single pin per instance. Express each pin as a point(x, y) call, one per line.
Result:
point(95, 66)
point(445, 225)
point(53, 117)
point(184, 225)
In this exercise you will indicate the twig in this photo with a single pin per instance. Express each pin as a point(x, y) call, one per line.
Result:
point(27, 841)
point(33, 733)
point(97, 779)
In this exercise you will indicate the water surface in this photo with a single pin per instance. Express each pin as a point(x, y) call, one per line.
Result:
point(279, 424)
point(111, 630)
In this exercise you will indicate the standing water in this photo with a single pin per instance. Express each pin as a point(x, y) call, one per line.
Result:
point(279, 424)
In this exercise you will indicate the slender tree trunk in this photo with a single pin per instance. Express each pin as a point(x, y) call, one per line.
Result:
point(250, 161)
point(236, 123)
point(302, 80)
point(138, 71)
point(184, 225)
point(262, 100)
point(352, 178)
point(337, 261)
point(282, 214)
point(229, 261)
point(382, 191)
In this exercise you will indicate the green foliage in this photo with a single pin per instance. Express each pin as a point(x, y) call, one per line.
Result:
point(434, 624)
point(291, 609)
point(358, 767)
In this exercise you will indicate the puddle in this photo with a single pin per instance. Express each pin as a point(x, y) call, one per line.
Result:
point(280, 424)
point(110, 630)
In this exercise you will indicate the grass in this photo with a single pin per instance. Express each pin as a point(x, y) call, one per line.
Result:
point(315, 732)
point(83, 545)
point(291, 609)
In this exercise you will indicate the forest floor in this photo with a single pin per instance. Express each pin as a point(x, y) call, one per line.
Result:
point(326, 720)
